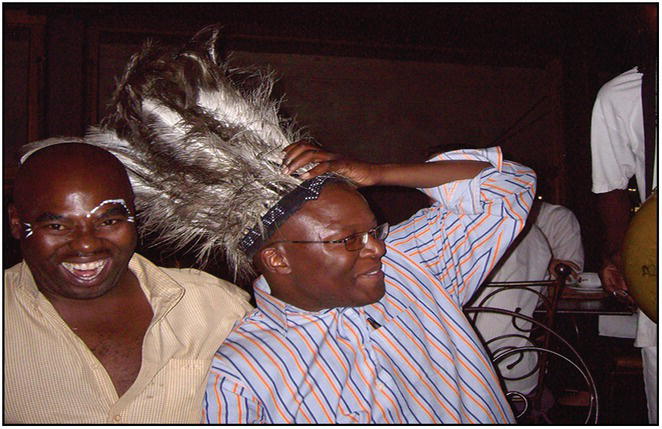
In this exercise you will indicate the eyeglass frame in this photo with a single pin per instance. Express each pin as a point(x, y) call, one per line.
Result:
point(384, 227)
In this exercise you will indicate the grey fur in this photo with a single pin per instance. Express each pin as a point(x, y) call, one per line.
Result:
point(204, 155)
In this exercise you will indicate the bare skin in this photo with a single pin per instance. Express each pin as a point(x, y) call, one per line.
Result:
point(422, 175)
point(113, 328)
point(614, 210)
point(78, 248)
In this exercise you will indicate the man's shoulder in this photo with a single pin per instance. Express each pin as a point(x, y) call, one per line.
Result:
point(554, 215)
point(14, 271)
point(15, 278)
point(198, 283)
point(627, 83)
point(195, 278)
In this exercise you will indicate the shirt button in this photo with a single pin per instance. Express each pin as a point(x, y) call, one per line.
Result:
point(117, 418)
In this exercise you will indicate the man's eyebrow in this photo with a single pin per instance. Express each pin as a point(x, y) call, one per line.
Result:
point(115, 211)
point(48, 216)
point(105, 202)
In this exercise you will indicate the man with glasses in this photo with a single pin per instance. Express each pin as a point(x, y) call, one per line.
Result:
point(356, 323)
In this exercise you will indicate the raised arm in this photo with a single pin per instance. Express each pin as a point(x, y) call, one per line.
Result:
point(420, 175)
point(482, 204)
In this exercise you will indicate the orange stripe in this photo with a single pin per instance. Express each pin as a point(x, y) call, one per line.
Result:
point(486, 411)
point(305, 379)
point(239, 404)
point(522, 181)
point(258, 375)
point(281, 373)
point(413, 236)
point(419, 251)
point(474, 248)
point(449, 189)
point(365, 358)
point(379, 309)
point(217, 394)
point(520, 219)
point(411, 394)
point(407, 225)
point(451, 326)
point(339, 359)
point(436, 370)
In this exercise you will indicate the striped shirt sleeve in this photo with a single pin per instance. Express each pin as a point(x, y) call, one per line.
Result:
point(462, 236)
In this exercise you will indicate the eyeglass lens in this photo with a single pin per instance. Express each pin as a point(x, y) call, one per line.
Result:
point(358, 241)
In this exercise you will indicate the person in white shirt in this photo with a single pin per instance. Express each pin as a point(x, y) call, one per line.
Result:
point(553, 236)
point(618, 149)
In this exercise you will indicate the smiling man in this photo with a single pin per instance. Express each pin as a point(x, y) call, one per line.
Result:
point(355, 322)
point(93, 332)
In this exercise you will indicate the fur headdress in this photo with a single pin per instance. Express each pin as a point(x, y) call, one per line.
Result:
point(203, 146)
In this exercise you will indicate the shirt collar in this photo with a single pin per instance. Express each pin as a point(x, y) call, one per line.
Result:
point(279, 312)
point(161, 291)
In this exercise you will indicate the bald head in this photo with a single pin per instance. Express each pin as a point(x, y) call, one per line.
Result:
point(73, 213)
point(70, 166)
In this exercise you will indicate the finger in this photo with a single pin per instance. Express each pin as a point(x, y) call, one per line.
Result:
point(307, 157)
point(298, 147)
point(321, 168)
point(296, 150)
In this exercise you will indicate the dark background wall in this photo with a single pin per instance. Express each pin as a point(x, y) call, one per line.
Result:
point(380, 82)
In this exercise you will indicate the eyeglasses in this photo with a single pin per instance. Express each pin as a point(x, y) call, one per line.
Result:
point(352, 242)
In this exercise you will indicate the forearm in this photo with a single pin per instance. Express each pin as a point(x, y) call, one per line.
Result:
point(426, 175)
point(614, 211)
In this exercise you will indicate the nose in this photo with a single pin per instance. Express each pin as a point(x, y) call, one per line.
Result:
point(85, 240)
point(374, 248)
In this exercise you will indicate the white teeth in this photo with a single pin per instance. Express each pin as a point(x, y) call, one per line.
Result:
point(76, 269)
point(84, 267)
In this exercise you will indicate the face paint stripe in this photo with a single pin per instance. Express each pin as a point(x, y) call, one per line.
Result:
point(27, 229)
point(115, 201)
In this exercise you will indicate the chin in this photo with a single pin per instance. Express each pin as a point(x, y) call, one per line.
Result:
point(374, 294)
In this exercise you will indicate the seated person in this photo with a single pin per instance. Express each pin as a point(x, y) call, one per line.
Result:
point(551, 236)
point(93, 332)
point(359, 324)
point(356, 322)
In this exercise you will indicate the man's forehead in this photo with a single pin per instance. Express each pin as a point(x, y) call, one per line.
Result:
point(60, 175)
point(338, 207)
point(78, 207)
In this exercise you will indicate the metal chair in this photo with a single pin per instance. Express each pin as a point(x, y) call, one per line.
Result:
point(534, 338)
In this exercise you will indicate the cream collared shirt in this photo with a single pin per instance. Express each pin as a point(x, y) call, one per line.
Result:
point(50, 376)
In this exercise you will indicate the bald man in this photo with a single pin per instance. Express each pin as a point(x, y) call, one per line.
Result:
point(95, 333)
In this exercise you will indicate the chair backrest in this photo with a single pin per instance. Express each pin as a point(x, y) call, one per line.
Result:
point(528, 341)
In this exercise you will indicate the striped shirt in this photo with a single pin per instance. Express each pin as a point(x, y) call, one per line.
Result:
point(411, 357)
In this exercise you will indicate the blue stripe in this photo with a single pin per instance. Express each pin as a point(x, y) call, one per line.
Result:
point(321, 388)
point(376, 372)
point(266, 374)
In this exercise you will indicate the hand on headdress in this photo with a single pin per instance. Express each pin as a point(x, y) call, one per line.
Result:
point(299, 154)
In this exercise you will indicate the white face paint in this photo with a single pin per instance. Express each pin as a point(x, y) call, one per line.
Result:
point(117, 201)
point(27, 229)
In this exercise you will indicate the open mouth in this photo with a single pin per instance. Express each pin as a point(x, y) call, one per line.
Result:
point(86, 271)
point(373, 273)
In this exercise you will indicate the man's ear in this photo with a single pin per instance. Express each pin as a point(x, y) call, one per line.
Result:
point(14, 222)
point(274, 260)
